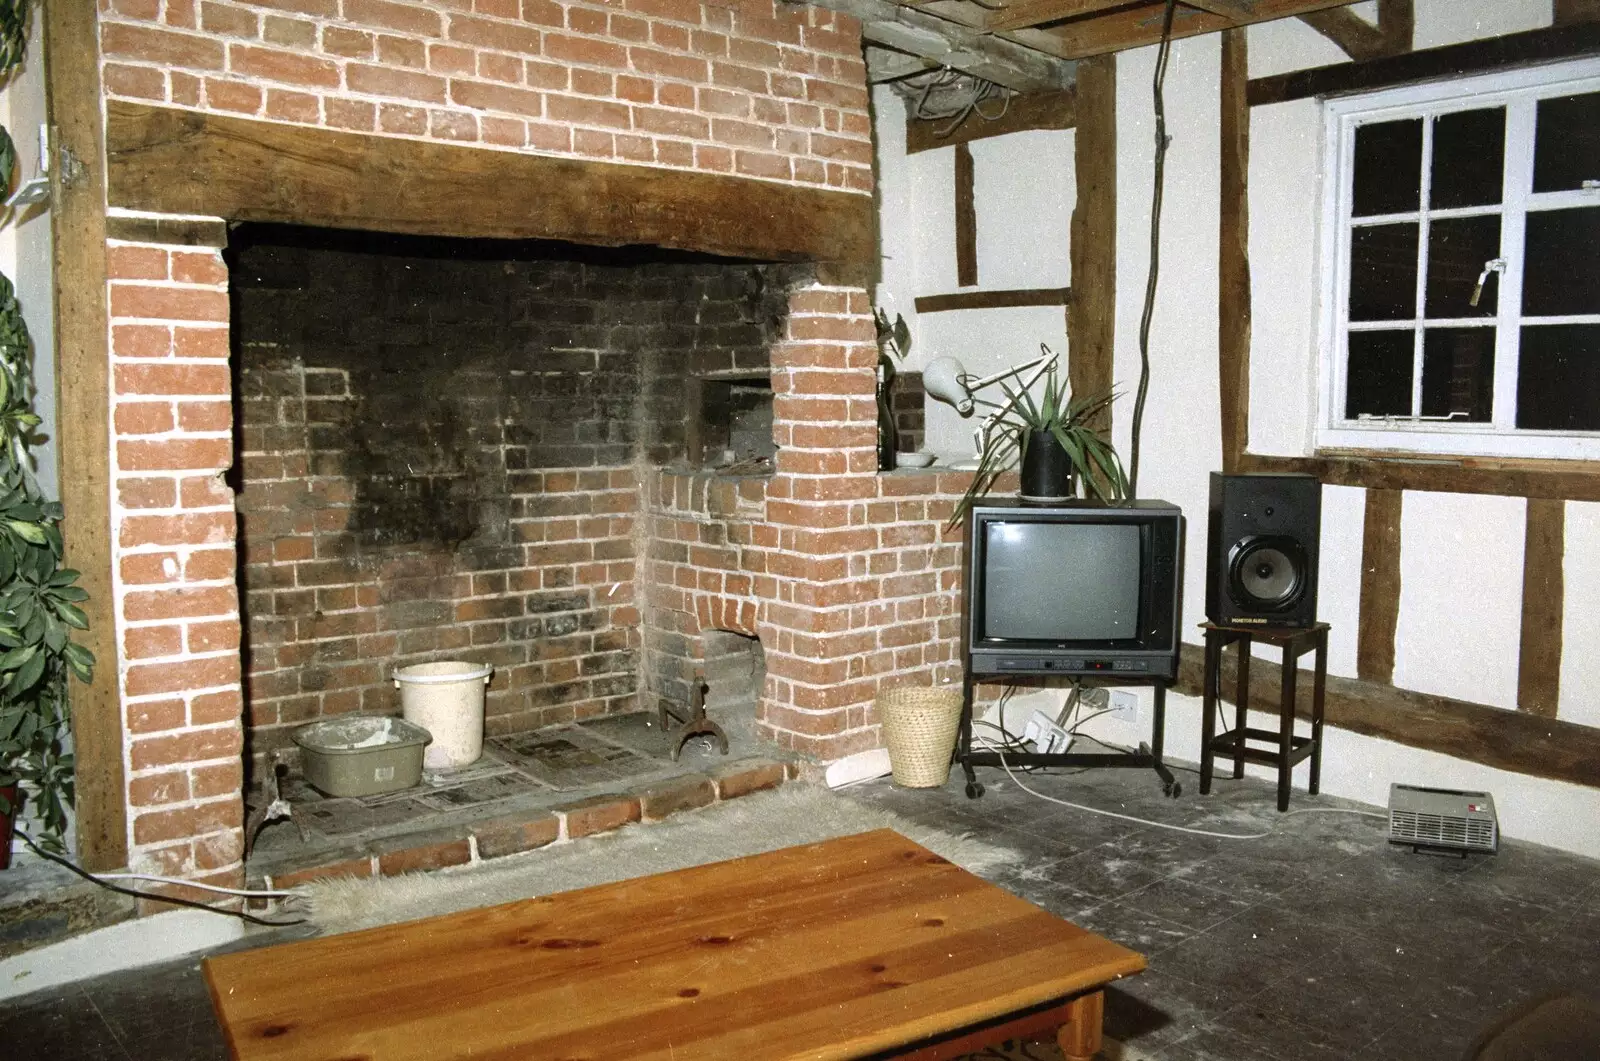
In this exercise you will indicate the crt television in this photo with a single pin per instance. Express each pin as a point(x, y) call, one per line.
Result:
point(1085, 588)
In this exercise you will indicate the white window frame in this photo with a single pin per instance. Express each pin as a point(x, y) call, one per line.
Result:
point(1518, 90)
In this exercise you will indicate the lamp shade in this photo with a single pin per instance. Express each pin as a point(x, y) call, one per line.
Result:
point(944, 378)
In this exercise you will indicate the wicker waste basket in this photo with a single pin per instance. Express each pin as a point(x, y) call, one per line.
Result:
point(919, 725)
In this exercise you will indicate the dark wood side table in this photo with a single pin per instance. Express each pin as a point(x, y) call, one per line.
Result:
point(1290, 749)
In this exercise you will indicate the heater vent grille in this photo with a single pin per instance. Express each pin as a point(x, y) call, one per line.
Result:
point(1442, 818)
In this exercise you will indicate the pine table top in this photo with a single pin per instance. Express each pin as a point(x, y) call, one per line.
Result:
point(837, 949)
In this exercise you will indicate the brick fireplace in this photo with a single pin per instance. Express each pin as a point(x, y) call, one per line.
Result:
point(588, 555)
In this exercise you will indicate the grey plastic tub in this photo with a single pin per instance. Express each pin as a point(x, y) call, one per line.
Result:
point(362, 755)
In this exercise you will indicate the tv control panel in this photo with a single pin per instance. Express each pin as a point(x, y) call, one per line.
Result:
point(1075, 666)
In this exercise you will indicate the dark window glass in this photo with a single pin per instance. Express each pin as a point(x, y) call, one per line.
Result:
point(1561, 273)
point(1383, 272)
point(1458, 373)
point(1458, 249)
point(1388, 170)
point(1558, 378)
point(1379, 376)
point(1566, 142)
point(1468, 158)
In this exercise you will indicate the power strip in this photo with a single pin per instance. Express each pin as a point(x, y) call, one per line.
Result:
point(1045, 734)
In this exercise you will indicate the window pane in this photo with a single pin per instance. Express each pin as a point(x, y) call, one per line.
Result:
point(1558, 378)
point(1562, 271)
point(1383, 272)
point(1458, 373)
point(1566, 142)
point(1388, 171)
point(1468, 157)
point(1458, 249)
point(1379, 377)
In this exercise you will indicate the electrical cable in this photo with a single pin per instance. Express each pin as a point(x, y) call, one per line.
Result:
point(1000, 753)
point(138, 894)
point(1156, 195)
point(262, 893)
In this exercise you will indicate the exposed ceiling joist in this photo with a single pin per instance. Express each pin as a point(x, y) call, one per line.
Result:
point(948, 44)
point(1024, 13)
point(1136, 27)
point(1237, 10)
point(885, 64)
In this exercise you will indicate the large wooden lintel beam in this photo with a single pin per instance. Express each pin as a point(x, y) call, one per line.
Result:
point(1135, 27)
point(952, 45)
point(886, 64)
point(163, 160)
point(1507, 740)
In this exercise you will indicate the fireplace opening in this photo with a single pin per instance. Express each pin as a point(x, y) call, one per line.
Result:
point(441, 451)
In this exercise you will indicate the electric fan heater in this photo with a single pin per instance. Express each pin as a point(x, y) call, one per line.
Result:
point(1443, 818)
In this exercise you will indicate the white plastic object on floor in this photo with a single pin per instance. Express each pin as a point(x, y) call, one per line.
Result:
point(446, 699)
point(854, 769)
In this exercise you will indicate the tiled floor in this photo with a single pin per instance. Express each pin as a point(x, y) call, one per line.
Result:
point(1318, 942)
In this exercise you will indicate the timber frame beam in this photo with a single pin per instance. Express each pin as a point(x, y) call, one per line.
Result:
point(83, 439)
point(946, 43)
point(168, 161)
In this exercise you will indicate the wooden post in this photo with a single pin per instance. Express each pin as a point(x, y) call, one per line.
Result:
point(1233, 251)
point(1543, 607)
point(1380, 587)
point(966, 220)
point(1091, 313)
point(83, 442)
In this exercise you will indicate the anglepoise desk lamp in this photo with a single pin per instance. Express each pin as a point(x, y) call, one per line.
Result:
point(946, 379)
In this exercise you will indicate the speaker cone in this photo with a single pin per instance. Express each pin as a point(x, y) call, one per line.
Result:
point(1267, 573)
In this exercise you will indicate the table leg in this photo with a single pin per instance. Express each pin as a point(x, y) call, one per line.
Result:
point(1318, 689)
point(1208, 710)
point(1079, 1037)
point(1241, 710)
point(1286, 726)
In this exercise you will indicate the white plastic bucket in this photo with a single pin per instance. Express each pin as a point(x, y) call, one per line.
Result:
point(446, 699)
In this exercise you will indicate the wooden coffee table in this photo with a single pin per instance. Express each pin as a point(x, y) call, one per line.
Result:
point(848, 948)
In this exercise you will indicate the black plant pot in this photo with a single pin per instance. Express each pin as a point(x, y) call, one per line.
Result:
point(1047, 473)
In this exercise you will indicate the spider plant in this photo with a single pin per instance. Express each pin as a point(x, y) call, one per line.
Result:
point(1023, 419)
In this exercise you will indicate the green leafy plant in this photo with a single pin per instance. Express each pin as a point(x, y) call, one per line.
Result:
point(38, 597)
point(1074, 422)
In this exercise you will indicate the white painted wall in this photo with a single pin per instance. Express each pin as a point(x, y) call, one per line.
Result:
point(1461, 573)
point(1025, 189)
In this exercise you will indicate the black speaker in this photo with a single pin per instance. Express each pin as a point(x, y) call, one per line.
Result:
point(1261, 561)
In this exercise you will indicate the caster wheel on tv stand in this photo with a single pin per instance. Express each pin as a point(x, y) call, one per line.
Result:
point(974, 790)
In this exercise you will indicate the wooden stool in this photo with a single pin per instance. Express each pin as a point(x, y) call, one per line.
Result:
point(1296, 642)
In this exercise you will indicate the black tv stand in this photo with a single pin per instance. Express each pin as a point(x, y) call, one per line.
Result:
point(1145, 757)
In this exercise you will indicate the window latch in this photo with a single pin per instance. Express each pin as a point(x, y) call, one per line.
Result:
point(1494, 265)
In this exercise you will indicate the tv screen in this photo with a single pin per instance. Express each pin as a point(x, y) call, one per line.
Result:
point(1061, 581)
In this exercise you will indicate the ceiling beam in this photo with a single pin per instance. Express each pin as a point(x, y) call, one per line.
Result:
point(1024, 13)
point(1136, 27)
point(1237, 10)
point(886, 64)
point(957, 47)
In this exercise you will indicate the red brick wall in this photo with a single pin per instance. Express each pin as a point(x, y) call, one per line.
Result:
point(761, 88)
point(847, 576)
point(173, 528)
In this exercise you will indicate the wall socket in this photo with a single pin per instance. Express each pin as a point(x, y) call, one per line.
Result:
point(1124, 705)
